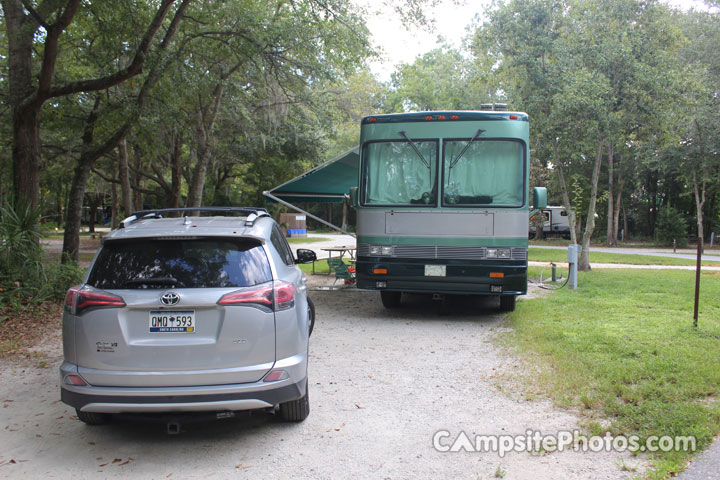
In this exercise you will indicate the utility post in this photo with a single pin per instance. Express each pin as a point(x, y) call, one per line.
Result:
point(697, 281)
point(573, 254)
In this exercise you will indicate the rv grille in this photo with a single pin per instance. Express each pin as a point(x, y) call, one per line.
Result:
point(442, 252)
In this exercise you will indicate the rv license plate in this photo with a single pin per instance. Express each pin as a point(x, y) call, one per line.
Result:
point(172, 321)
point(434, 270)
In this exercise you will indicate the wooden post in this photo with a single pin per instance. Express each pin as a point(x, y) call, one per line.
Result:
point(697, 281)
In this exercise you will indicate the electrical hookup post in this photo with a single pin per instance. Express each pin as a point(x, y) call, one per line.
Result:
point(573, 255)
point(697, 281)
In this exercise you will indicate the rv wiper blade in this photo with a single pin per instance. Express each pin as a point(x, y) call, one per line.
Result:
point(457, 159)
point(414, 147)
point(153, 281)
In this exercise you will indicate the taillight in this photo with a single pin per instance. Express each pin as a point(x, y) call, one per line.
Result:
point(278, 296)
point(261, 298)
point(284, 296)
point(81, 299)
point(70, 298)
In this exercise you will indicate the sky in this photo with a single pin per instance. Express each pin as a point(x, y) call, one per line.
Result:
point(452, 17)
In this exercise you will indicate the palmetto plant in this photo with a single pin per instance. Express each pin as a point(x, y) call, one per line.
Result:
point(24, 276)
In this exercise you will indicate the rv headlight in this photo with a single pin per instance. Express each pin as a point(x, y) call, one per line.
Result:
point(386, 250)
point(374, 250)
point(491, 253)
point(503, 253)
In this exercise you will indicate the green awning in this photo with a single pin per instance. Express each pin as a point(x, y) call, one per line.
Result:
point(329, 182)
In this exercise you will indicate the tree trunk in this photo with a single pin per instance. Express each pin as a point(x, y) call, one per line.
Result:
point(59, 195)
point(699, 203)
point(114, 213)
point(611, 235)
point(73, 222)
point(584, 264)
point(625, 221)
point(195, 194)
point(652, 215)
point(616, 221)
point(572, 219)
point(124, 177)
point(26, 130)
point(616, 211)
point(205, 122)
point(699, 186)
point(137, 179)
point(176, 173)
point(71, 238)
point(26, 156)
point(93, 215)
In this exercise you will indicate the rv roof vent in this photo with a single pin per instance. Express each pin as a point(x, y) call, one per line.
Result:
point(501, 107)
point(486, 106)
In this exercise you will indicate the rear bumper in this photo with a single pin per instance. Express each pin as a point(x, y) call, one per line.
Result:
point(462, 277)
point(205, 398)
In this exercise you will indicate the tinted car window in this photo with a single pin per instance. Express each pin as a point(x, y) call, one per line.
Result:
point(203, 263)
point(282, 246)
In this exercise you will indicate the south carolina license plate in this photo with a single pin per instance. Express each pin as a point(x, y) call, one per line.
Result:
point(165, 321)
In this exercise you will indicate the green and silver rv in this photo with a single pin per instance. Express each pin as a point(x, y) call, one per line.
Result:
point(442, 204)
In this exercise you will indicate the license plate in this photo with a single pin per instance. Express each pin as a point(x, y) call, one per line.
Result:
point(166, 321)
point(434, 270)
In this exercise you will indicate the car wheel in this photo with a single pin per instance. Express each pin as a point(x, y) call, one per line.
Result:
point(390, 299)
point(92, 418)
point(296, 410)
point(311, 315)
point(507, 303)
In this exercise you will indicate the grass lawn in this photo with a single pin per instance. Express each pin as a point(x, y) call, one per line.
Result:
point(560, 256)
point(292, 240)
point(622, 347)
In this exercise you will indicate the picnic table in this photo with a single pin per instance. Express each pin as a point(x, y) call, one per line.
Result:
point(341, 250)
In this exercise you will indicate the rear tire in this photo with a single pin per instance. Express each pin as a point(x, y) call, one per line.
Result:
point(296, 410)
point(311, 315)
point(507, 303)
point(390, 299)
point(92, 418)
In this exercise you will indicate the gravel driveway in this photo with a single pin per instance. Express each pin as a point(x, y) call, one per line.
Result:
point(382, 383)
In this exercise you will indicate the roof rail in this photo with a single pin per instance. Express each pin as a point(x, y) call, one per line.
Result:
point(252, 213)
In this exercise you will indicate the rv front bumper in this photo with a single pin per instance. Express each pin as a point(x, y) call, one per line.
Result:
point(496, 277)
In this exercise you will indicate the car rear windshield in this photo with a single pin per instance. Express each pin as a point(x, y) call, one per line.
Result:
point(196, 263)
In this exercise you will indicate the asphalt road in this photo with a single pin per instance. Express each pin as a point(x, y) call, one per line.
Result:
point(652, 252)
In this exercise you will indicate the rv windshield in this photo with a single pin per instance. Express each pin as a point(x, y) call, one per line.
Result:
point(395, 174)
point(490, 172)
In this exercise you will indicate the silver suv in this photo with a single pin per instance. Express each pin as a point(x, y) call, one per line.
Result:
point(189, 314)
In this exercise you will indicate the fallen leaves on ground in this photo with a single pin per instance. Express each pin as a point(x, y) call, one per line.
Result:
point(25, 328)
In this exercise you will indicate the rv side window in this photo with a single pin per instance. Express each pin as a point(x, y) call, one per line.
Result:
point(563, 213)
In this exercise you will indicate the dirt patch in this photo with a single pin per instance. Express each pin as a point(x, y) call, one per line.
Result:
point(21, 332)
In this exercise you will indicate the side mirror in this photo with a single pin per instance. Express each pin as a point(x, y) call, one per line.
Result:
point(354, 197)
point(305, 256)
point(539, 197)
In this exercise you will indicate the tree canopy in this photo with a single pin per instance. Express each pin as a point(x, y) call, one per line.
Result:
point(133, 104)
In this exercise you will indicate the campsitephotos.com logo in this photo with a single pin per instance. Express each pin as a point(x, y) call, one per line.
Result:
point(573, 440)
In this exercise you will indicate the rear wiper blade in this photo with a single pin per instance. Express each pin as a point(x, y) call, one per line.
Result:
point(414, 147)
point(153, 281)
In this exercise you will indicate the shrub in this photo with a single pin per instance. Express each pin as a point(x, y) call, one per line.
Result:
point(671, 225)
point(25, 277)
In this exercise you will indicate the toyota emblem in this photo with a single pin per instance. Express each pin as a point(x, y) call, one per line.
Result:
point(170, 298)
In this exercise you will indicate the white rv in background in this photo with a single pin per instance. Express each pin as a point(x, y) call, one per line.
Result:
point(556, 222)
